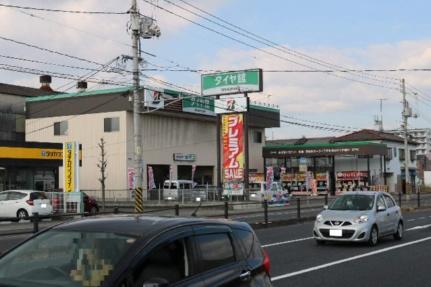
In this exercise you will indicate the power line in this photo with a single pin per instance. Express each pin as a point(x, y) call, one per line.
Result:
point(48, 50)
point(162, 69)
point(64, 11)
point(265, 51)
point(294, 52)
point(345, 128)
point(269, 43)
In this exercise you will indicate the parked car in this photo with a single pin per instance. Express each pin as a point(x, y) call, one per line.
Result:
point(274, 195)
point(360, 216)
point(19, 204)
point(126, 251)
point(175, 189)
point(90, 204)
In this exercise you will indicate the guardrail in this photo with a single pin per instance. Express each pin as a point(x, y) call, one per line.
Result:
point(257, 213)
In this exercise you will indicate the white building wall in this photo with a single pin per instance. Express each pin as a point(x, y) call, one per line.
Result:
point(88, 130)
point(162, 137)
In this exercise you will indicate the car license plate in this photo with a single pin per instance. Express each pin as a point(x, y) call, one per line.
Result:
point(336, 232)
point(43, 205)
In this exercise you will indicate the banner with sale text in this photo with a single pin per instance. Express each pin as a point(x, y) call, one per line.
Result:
point(233, 147)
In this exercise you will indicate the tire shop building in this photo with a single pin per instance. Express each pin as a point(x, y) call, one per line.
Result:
point(362, 160)
point(178, 134)
point(25, 165)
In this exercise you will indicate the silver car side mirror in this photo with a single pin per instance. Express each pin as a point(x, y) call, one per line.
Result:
point(380, 208)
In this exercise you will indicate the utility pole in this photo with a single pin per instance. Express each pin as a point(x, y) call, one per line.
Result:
point(137, 136)
point(407, 112)
point(146, 28)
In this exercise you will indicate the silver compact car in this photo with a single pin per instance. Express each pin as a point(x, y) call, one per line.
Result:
point(363, 216)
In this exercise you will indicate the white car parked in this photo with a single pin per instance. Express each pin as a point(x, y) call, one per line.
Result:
point(19, 204)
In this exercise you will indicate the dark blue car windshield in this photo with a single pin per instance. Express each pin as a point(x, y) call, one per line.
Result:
point(64, 258)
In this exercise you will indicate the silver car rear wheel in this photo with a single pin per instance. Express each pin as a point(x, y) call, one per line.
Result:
point(400, 231)
point(374, 236)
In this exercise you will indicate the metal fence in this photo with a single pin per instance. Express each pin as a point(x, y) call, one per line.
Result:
point(66, 202)
point(259, 214)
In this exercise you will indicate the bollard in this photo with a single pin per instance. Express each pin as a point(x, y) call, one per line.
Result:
point(35, 222)
point(226, 211)
point(399, 199)
point(265, 211)
point(326, 199)
point(177, 210)
point(116, 210)
point(419, 198)
point(298, 208)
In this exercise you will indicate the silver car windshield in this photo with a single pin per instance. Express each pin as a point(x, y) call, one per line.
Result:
point(64, 258)
point(353, 202)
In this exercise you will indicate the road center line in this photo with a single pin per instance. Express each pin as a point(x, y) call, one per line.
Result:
point(292, 274)
point(287, 242)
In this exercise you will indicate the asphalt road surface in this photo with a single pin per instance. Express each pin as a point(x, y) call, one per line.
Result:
point(296, 260)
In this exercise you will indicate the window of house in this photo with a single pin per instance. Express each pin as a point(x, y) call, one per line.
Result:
point(389, 154)
point(395, 152)
point(216, 250)
point(402, 157)
point(257, 137)
point(60, 128)
point(111, 124)
point(412, 155)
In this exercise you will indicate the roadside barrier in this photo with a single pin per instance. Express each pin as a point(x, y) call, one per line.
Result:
point(256, 213)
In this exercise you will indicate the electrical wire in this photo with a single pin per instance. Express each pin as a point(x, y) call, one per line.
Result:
point(277, 46)
point(265, 51)
point(272, 43)
point(63, 11)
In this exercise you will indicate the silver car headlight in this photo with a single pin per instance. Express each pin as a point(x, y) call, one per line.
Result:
point(361, 219)
point(319, 218)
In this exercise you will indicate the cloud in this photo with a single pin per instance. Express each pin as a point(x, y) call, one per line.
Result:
point(303, 92)
point(98, 38)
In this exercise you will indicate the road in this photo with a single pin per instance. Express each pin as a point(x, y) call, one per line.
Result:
point(296, 260)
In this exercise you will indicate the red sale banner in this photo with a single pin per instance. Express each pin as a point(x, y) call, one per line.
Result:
point(233, 147)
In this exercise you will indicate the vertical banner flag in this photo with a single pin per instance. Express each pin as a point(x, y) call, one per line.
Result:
point(131, 177)
point(233, 147)
point(151, 183)
point(269, 177)
point(193, 171)
point(70, 167)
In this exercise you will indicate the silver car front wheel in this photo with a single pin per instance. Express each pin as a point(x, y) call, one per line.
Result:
point(374, 236)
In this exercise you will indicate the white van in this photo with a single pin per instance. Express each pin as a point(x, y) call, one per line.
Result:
point(276, 194)
point(174, 189)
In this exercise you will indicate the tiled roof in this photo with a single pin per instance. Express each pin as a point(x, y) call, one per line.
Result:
point(369, 135)
point(20, 91)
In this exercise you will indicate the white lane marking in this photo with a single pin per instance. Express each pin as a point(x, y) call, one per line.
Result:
point(419, 227)
point(410, 220)
point(287, 242)
point(287, 275)
point(422, 217)
point(308, 238)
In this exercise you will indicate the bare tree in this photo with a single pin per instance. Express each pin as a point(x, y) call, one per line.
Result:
point(102, 166)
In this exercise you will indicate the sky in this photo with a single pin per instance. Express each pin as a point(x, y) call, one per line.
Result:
point(304, 35)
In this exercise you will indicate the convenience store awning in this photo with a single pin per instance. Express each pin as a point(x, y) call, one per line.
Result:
point(324, 149)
